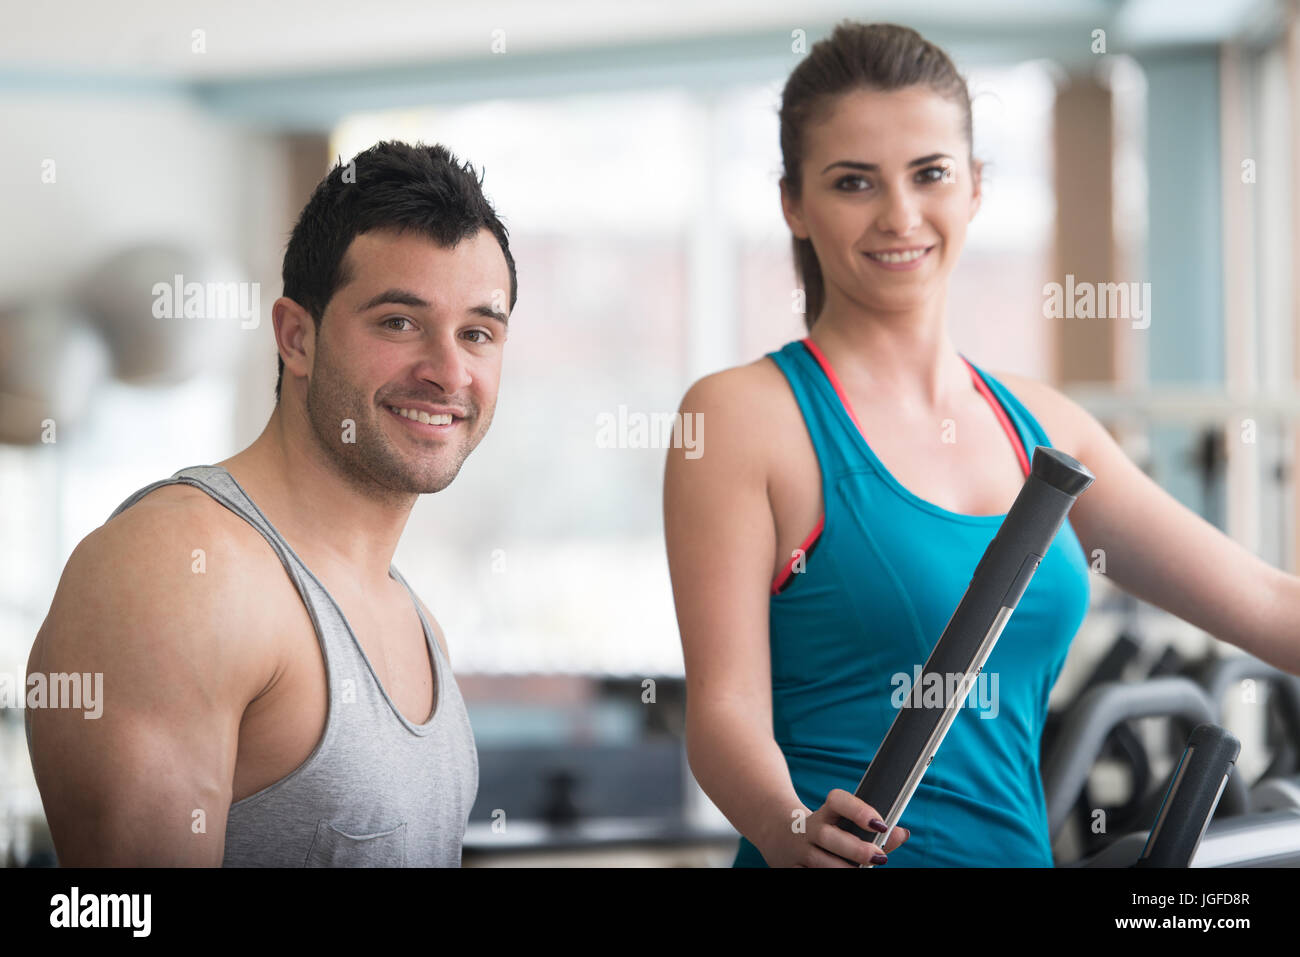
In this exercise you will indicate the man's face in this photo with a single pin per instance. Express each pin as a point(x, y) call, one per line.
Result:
point(418, 328)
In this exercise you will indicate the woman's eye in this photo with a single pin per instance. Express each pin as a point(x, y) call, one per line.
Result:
point(931, 174)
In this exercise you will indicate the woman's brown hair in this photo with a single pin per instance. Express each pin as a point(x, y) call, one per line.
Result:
point(878, 56)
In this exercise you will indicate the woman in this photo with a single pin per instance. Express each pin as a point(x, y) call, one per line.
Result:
point(854, 478)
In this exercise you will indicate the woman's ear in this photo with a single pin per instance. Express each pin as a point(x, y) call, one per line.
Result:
point(790, 208)
point(977, 171)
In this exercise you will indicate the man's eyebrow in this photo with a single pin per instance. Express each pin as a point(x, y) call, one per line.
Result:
point(404, 297)
point(396, 297)
point(873, 168)
point(487, 312)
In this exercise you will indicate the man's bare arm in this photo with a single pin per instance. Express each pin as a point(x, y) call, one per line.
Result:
point(148, 782)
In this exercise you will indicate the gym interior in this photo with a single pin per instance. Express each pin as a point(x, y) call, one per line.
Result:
point(1146, 149)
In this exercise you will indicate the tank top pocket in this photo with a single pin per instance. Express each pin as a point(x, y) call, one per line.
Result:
point(333, 847)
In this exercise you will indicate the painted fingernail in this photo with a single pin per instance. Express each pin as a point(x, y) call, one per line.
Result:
point(879, 859)
point(876, 824)
point(906, 832)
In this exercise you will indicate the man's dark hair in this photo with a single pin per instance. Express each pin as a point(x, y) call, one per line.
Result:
point(423, 189)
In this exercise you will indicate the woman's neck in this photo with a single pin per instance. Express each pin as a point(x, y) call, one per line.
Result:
point(907, 357)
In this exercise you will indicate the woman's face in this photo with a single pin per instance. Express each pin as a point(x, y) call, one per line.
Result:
point(885, 171)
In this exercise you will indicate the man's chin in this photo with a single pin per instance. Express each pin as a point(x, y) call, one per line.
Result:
point(427, 484)
point(404, 472)
point(426, 481)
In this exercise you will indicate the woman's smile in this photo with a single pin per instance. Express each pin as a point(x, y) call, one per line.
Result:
point(909, 258)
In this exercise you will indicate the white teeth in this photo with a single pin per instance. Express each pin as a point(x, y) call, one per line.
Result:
point(425, 417)
point(898, 257)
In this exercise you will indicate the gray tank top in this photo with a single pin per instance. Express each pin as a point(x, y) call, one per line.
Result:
point(378, 790)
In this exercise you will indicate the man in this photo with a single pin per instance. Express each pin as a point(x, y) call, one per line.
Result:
point(274, 694)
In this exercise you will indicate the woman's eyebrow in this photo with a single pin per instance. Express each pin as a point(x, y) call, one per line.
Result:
point(874, 168)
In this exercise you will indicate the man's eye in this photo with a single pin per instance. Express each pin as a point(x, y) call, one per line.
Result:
point(393, 319)
point(479, 332)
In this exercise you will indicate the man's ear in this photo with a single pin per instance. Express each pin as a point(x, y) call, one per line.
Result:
point(790, 209)
point(295, 335)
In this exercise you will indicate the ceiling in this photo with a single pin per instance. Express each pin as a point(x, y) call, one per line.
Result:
point(244, 40)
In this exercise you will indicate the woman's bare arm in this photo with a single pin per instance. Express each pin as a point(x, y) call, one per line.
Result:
point(721, 541)
point(1158, 549)
point(720, 538)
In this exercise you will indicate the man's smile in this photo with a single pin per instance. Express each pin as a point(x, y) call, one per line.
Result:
point(425, 422)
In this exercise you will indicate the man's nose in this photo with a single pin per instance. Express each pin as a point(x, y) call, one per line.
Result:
point(444, 364)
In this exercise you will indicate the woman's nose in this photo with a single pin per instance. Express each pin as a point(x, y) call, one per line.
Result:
point(900, 214)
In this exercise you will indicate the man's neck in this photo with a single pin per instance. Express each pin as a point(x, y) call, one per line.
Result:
point(315, 507)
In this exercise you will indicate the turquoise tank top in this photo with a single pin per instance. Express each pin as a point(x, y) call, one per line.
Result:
point(881, 575)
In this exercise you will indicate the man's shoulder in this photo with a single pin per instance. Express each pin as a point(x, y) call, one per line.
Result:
point(163, 595)
point(173, 516)
point(175, 503)
point(174, 561)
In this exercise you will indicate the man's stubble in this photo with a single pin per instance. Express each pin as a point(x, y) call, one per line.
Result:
point(373, 463)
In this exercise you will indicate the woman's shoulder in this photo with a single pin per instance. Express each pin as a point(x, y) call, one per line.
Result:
point(1061, 418)
point(758, 386)
point(748, 411)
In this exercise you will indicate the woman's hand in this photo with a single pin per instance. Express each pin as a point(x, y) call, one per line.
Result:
point(822, 843)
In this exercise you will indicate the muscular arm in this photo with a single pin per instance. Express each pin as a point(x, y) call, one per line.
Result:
point(720, 539)
point(179, 664)
point(1156, 548)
